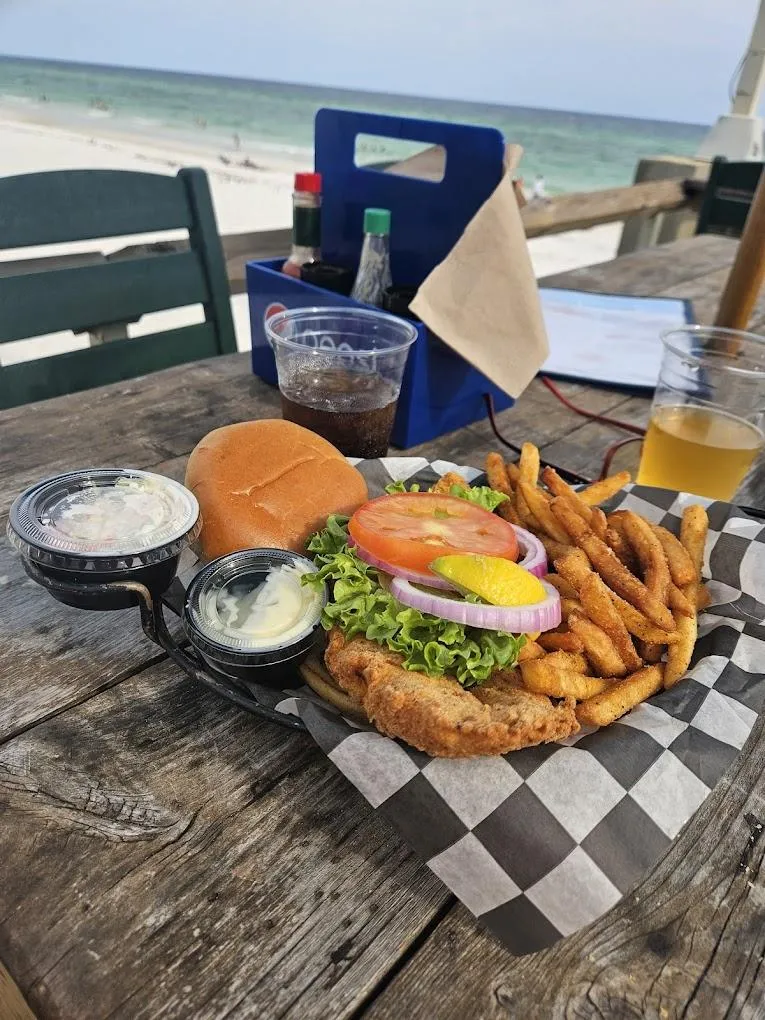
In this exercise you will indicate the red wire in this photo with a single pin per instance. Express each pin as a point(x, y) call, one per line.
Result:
point(604, 419)
point(636, 430)
point(610, 452)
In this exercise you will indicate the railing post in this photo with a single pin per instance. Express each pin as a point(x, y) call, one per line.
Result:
point(644, 229)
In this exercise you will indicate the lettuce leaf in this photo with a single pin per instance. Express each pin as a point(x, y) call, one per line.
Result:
point(428, 644)
point(482, 495)
point(395, 487)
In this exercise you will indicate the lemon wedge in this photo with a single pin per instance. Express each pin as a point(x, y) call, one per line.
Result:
point(498, 581)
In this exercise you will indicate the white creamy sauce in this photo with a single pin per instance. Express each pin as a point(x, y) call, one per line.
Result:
point(273, 612)
point(131, 507)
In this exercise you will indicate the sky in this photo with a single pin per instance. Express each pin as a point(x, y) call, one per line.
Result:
point(660, 59)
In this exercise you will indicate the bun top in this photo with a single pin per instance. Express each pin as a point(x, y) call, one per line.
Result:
point(268, 483)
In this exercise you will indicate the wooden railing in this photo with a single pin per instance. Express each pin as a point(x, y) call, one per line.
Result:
point(581, 210)
point(556, 215)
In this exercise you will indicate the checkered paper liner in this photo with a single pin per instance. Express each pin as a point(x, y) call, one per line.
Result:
point(540, 842)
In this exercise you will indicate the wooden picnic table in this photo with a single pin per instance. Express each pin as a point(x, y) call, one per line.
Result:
point(164, 854)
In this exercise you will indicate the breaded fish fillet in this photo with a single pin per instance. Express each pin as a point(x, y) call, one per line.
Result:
point(436, 714)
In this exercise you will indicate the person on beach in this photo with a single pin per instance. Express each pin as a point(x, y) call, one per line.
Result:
point(538, 191)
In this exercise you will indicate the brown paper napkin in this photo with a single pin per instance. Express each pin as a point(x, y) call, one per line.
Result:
point(482, 300)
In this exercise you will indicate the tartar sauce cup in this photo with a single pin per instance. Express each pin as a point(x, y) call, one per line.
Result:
point(250, 617)
point(100, 525)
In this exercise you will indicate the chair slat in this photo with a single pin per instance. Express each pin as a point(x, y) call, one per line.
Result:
point(78, 205)
point(113, 362)
point(84, 297)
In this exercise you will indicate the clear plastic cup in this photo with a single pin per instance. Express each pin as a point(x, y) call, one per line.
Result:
point(340, 372)
point(708, 413)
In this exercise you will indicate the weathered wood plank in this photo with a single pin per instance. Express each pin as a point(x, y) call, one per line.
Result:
point(136, 423)
point(583, 209)
point(54, 656)
point(166, 855)
point(689, 942)
point(651, 270)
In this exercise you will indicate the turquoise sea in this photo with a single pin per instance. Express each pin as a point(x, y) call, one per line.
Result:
point(573, 151)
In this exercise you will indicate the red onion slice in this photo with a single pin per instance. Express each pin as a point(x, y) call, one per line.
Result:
point(528, 619)
point(534, 557)
point(431, 580)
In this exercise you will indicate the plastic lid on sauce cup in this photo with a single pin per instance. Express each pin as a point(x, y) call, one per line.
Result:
point(225, 623)
point(104, 519)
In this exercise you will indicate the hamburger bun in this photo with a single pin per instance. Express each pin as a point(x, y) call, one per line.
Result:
point(268, 484)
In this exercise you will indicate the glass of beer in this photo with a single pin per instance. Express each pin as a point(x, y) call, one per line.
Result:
point(708, 412)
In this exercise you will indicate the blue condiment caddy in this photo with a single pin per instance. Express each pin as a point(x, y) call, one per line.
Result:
point(440, 391)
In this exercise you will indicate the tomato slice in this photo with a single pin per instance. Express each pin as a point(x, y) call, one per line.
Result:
point(410, 530)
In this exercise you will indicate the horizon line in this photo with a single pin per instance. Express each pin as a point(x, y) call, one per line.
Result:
point(344, 89)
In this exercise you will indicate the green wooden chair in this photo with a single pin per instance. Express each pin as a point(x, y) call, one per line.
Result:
point(727, 197)
point(77, 205)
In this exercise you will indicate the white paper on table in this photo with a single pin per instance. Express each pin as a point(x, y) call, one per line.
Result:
point(608, 338)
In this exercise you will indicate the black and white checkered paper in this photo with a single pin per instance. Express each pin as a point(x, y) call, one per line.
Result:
point(543, 841)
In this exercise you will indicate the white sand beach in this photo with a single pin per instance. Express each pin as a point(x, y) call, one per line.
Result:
point(254, 197)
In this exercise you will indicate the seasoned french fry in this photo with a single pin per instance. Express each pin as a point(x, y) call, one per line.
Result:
point(574, 568)
point(650, 552)
point(530, 650)
point(542, 678)
point(567, 660)
point(593, 515)
point(605, 489)
point(650, 651)
point(565, 590)
point(569, 606)
point(597, 604)
point(679, 654)
point(680, 564)
point(681, 602)
point(638, 625)
point(558, 487)
point(693, 535)
point(618, 698)
point(528, 465)
point(446, 483)
point(621, 545)
point(555, 641)
point(553, 549)
point(653, 561)
point(538, 503)
point(617, 541)
point(599, 523)
point(598, 646)
point(507, 512)
point(496, 473)
point(513, 472)
point(528, 520)
point(703, 598)
point(611, 569)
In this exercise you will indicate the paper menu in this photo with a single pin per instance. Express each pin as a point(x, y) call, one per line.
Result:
point(608, 338)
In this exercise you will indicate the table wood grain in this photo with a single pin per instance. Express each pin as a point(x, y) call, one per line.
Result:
point(167, 855)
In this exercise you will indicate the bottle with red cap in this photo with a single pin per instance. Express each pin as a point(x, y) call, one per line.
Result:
point(306, 223)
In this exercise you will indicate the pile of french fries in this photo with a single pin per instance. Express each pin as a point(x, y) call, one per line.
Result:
point(630, 590)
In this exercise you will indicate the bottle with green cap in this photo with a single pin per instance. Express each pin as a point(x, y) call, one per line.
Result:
point(373, 277)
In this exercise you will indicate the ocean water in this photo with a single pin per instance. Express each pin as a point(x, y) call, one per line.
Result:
point(573, 151)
